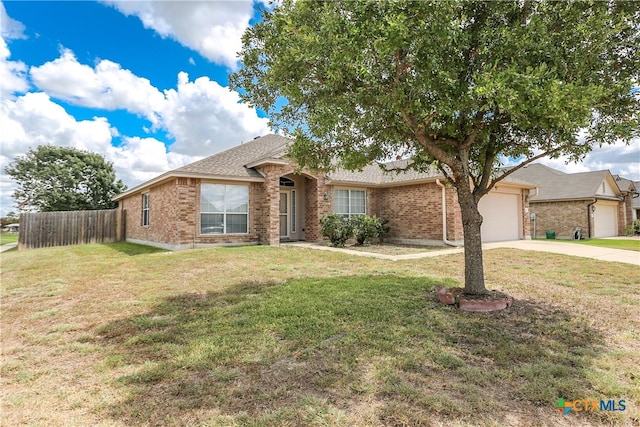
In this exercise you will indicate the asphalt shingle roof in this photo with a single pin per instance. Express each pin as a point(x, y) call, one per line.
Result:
point(232, 162)
point(556, 185)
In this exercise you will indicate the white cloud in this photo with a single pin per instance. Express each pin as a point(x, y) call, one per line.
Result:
point(620, 158)
point(213, 28)
point(10, 28)
point(206, 118)
point(34, 119)
point(13, 76)
point(108, 86)
point(203, 116)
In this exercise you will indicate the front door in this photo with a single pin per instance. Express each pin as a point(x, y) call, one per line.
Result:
point(284, 214)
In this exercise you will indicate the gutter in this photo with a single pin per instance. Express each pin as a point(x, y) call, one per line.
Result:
point(444, 217)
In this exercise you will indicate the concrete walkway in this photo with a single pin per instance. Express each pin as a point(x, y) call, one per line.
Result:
point(8, 246)
point(574, 249)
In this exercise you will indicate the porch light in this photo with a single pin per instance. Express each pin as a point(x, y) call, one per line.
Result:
point(327, 195)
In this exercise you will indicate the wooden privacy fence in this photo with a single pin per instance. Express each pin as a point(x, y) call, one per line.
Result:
point(44, 229)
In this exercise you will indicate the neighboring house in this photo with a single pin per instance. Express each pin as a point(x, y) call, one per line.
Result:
point(590, 202)
point(629, 192)
point(635, 202)
point(251, 194)
point(11, 228)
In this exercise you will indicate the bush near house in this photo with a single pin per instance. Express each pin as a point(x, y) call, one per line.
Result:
point(361, 227)
point(365, 228)
point(336, 228)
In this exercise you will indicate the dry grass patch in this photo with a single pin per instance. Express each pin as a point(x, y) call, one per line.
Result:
point(120, 334)
point(395, 249)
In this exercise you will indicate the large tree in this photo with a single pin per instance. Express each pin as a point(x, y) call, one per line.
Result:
point(54, 178)
point(462, 85)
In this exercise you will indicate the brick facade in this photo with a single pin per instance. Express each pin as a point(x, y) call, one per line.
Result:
point(564, 217)
point(625, 214)
point(561, 217)
point(174, 208)
point(414, 211)
point(163, 215)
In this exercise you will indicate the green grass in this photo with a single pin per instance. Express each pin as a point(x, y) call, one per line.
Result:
point(8, 238)
point(628, 244)
point(123, 334)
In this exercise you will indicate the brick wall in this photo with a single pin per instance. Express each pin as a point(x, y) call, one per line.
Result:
point(625, 214)
point(415, 212)
point(174, 216)
point(561, 217)
point(315, 206)
point(163, 213)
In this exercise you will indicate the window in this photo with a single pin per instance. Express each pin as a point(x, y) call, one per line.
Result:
point(224, 209)
point(145, 210)
point(349, 202)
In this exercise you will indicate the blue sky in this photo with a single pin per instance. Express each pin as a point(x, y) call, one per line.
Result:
point(144, 84)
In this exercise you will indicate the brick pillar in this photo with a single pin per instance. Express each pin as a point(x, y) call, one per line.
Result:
point(526, 215)
point(271, 207)
point(315, 206)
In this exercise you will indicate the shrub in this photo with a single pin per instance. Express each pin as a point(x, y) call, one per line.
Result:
point(365, 228)
point(383, 229)
point(336, 228)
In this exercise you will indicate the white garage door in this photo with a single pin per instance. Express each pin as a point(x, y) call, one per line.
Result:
point(605, 220)
point(501, 217)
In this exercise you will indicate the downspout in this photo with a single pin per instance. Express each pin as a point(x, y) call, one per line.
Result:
point(589, 216)
point(444, 217)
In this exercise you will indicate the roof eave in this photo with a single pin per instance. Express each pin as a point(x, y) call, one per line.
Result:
point(577, 199)
point(171, 175)
point(267, 161)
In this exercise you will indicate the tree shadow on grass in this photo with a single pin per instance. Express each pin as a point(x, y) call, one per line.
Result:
point(359, 350)
point(133, 249)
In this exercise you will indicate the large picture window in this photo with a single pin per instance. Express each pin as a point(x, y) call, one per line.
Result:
point(224, 209)
point(145, 210)
point(349, 202)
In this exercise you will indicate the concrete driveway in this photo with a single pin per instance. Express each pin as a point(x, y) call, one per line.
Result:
point(574, 249)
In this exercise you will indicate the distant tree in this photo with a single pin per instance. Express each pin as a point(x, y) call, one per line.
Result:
point(53, 178)
point(10, 218)
point(462, 85)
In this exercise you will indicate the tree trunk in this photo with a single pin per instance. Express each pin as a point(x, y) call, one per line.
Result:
point(471, 222)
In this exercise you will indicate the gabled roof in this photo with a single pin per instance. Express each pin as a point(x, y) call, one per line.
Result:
point(227, 165)
point(233, 162)
point(239, 163)
point(556, 185)
point(625, 185)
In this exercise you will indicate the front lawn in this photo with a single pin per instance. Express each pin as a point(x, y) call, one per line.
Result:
point(122, 335)
point(8, 238)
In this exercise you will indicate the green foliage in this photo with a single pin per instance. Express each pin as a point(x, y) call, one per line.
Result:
point(383, 229)
point(336, 228)
point(458, 85)
point(64, 179)
point(11, 218)
point(365, 228)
